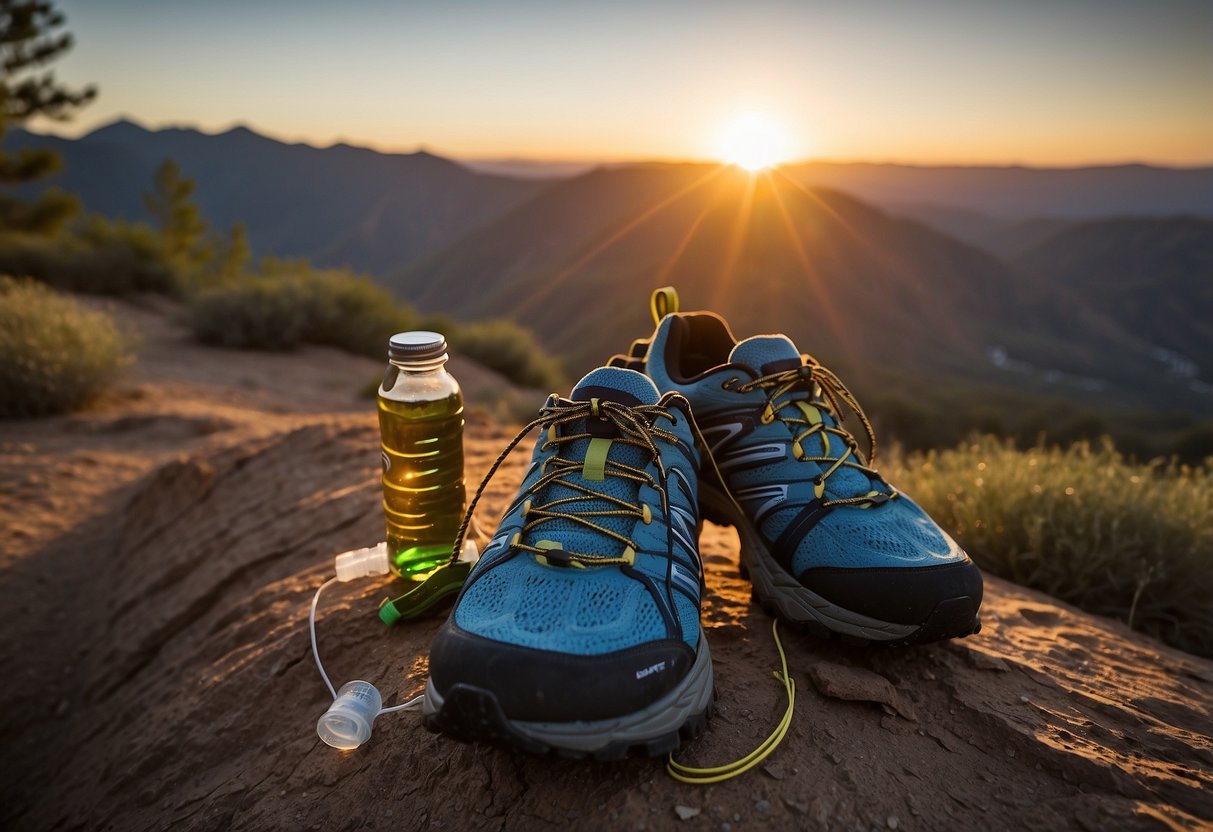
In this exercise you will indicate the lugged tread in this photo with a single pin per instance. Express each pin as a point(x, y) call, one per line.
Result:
point(476, 716)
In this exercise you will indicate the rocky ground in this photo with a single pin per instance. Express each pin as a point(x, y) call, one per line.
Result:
point(161, 548)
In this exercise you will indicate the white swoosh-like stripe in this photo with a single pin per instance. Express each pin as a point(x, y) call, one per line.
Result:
point(730, 430)
point(775, 495)
point(685, 580)
point(682, 528)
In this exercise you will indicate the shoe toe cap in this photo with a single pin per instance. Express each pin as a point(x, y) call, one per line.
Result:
point(545, 686)
point(899, 595)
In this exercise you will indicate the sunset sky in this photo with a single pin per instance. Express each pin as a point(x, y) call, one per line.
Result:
point(977, 82)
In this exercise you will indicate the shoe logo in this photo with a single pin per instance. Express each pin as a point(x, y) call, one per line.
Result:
point(650, 670)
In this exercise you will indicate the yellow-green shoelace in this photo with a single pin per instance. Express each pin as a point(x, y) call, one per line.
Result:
point(717, 774)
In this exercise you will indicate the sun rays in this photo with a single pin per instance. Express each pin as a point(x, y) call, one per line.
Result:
point(716, 237)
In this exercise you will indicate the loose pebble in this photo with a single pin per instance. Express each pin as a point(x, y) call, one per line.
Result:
point(686, 812)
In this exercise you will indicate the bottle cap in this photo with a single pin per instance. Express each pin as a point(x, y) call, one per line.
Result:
point(418, 345)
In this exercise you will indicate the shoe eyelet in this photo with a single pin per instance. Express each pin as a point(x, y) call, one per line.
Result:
point(646, 513)
point(728, 385)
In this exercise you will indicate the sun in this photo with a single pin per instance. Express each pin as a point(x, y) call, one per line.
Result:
point(753, 141)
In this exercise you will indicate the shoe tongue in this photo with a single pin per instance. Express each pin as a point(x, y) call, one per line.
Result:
point(765, 354)
point(627, 387)
point(616, 384)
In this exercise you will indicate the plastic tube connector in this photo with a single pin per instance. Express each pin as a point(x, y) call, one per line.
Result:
point(361, 563)
point(347, 723)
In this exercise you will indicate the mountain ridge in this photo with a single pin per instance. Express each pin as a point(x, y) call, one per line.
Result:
point(338, 206)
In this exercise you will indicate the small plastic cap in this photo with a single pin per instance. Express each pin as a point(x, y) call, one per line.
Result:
point(347, 723)
point(419, 345)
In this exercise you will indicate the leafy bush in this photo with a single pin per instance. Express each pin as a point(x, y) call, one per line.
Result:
point(294, 305)
point(54, 353)
point(509, 349)
point(108, 258)
point(1131, 541)
point(333, 308)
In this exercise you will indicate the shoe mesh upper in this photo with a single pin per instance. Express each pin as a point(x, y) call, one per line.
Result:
point(582, 611)
point(894, 534)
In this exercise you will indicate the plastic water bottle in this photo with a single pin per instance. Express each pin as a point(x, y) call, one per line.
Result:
point(421, 433)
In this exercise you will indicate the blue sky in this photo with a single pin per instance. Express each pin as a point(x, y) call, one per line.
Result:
point(1033, 82)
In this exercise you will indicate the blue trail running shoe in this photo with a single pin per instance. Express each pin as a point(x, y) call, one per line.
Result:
point(578, 630)
point(829, 545)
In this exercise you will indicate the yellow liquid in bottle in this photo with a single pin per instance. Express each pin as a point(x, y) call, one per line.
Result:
point(423, 491)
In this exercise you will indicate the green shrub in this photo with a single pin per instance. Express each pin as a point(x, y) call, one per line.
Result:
point(332, 308)
point(54, 353)
point(295, 305)
point(107, 258)
point(509, 349)
point(1126, 540)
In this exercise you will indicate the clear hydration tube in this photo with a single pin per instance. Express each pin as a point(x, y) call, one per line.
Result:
point(348, 721)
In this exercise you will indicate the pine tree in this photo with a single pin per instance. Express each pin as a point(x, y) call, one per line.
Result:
point(183, 232)
point(236, 253)
point(28, 43)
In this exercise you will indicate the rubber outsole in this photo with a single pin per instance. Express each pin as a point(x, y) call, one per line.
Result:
point(782, 596)
point(472, 714)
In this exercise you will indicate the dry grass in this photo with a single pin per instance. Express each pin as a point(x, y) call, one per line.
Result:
point(1131, 541)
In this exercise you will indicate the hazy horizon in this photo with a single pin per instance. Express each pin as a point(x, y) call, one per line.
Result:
point(540, 162)
point(1060, 85)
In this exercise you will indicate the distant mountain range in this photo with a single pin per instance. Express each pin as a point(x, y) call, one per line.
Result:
point(1154, 276)
point(881, 295)
point(996, 278)
point(338, 206)
point(1021, 192)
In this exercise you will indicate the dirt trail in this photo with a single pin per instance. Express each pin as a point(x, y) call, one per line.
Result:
point(163, 547)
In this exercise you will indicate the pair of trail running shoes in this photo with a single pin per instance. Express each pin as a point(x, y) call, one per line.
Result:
point(578, 631)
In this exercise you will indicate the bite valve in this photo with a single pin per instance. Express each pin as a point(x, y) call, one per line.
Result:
point(347, 723)
point(361, 563)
